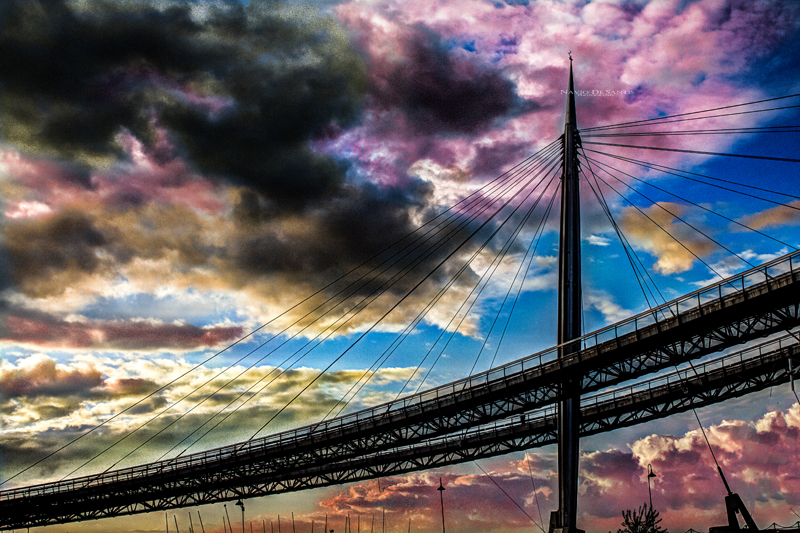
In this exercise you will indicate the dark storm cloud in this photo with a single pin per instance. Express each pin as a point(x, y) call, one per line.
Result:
point(66, 249)
point(443, 89)
point(237, 92)
point(492, 160)
point(63, 243)
point(351, 227)
point(239, 89)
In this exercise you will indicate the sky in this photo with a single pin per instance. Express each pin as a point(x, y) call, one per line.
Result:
point(182, 177)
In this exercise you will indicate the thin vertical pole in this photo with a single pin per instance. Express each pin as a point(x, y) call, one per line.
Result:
point(326, 524)
point(230, 526)
point(279, 523)
point(312, 525)
point(202, 527)
point(191, 523)
point(176, 523)
point(293, 522)
point(441, 490)
point(224, 529)
point(166, 519)
point(372, 529)
point(569, 320)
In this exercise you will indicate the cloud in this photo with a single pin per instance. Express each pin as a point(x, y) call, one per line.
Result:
point(136, 192)
point(40, 376)
point(62, 244)
point(38, 389)
point(472, 502)
point(46, 186)
point(675, 246)
point(757, 458)
point(773, 217)
point(46, 403)
point(435, 93)
point(238, 92)
point(266, 259)
point(43, 330)
point(599, 240)
point(439, 88)
point(601, 301)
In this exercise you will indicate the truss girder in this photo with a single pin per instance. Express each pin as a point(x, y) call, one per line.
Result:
point(694, 341)
point(245, 480)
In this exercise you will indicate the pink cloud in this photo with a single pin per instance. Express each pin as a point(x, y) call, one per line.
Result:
point(153, 175)
point(157, 174)
point(672, 58)
point(472, 502)
point(44, 330)
point(28, 210)
point(758, 459)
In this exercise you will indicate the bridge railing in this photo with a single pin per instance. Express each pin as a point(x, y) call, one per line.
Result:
point(700, 299)
point(654, 386)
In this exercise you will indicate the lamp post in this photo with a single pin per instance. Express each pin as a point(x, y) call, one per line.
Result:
point(240, 503)
point(650, 474)
point(441, 490)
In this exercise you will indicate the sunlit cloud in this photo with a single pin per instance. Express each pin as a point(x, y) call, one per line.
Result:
point(788, 215)
point(657, 230)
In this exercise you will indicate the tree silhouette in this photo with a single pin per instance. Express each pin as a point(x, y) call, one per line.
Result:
point(643, 520)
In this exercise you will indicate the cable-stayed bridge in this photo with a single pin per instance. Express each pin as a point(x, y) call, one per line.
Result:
point(515, 406)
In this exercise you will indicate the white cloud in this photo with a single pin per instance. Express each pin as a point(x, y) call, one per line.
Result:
point(596, 240)
point(605, 304)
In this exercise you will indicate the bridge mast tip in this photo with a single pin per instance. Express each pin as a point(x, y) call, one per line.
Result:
point(570, 114)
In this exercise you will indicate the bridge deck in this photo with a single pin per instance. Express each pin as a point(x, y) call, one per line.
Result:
point(755, 303)
point(728, 377)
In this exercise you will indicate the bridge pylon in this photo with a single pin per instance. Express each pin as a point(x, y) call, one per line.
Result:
point(569, 323)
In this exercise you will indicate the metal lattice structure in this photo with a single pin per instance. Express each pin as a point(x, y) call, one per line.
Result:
point(483, 411)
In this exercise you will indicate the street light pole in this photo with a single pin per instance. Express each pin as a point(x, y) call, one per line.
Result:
point(441, 490)
point(650, 474)
point(240, 503)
